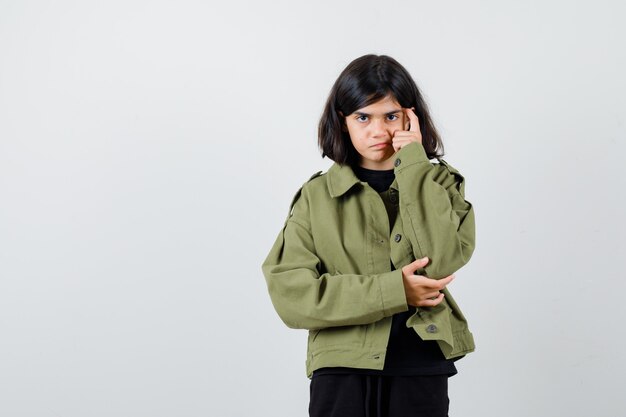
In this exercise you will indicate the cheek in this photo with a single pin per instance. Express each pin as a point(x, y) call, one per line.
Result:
point(355, 141)
point(354, 132)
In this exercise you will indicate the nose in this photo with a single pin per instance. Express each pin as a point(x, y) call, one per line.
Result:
point(379, 130)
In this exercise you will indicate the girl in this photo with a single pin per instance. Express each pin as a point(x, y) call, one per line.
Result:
point(368, 249)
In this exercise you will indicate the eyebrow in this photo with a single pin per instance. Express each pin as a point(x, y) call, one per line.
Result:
point(360, 113)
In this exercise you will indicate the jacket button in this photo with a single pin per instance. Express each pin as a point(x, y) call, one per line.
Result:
point(397, 162)
point(392, 197)
point(397, 237)
point(431, 328)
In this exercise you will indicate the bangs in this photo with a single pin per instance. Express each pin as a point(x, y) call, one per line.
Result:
point(360, 99)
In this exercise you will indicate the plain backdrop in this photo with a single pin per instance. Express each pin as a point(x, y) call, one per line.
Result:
point(149, 151)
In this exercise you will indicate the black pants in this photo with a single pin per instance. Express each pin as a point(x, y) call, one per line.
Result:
point(352, 395)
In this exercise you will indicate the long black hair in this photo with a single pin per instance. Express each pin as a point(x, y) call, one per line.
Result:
point(364, 81)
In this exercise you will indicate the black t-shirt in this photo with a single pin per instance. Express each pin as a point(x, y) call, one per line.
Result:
point(407, 353)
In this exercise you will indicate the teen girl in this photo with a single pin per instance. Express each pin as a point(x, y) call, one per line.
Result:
point(368, 249)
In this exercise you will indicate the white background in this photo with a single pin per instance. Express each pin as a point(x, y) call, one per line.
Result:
point(149, 151)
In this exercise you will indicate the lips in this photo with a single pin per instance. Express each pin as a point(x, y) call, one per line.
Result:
point(380, 145)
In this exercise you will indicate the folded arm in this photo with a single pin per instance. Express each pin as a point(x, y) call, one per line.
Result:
point(304, 298)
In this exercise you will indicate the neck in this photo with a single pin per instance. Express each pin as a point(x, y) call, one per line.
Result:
point(378, 166)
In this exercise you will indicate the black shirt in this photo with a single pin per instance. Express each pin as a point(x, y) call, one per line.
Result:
point(407, 353)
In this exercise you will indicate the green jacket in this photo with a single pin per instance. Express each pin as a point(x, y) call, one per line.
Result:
point(329, 272)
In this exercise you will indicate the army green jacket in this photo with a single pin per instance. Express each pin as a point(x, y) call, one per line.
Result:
point(329, 271)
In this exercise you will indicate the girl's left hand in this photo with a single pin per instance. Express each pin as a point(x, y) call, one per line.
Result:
point(412, 133)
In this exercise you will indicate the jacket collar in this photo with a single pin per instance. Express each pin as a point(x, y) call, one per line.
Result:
point(340, 179)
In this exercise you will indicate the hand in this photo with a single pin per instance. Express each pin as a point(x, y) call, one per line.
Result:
point(411, 134)
point(422, 291)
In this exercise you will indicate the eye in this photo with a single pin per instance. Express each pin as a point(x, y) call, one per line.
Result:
point(361, 118)
point(392, 117)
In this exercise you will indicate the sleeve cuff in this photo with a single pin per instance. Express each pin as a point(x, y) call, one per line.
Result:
point(392, 290)
point(410, 154)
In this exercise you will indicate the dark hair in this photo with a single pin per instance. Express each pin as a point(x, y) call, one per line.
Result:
point(364, 81)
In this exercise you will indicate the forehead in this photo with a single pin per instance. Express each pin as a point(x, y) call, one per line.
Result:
point(382, 106)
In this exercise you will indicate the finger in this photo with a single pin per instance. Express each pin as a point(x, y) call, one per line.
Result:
point(431, 295)
point(415, 123)
point(409, 269)
point(406, 136)
point(431, 303)
point(428, 283)
point(447, 279)
point(434, 284)
point(403, 133)
point(402, 140)
point(443, 283)
point(419, 263)
point(399, 143)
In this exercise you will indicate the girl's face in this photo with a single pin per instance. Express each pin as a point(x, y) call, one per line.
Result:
point(371, 130)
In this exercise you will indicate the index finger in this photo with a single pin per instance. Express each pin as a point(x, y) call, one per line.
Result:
point(415, 122)
point(445, 281)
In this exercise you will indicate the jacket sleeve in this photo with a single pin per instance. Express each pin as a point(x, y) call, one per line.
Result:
point(436, 216)
point(304, 298)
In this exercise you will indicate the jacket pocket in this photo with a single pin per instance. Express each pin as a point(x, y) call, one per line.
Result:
point(322, 339)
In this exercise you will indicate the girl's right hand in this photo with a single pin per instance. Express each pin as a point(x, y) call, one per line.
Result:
point(420, 290)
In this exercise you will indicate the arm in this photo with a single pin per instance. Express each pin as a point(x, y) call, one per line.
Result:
point(438, 220)
point(306, 299)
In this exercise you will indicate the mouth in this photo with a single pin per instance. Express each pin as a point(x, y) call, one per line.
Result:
point(380, 145)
